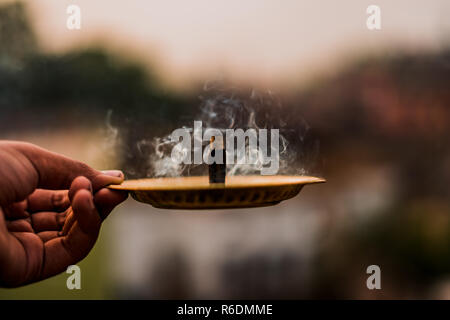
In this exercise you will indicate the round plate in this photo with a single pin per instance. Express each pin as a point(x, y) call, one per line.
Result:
point(198, 193)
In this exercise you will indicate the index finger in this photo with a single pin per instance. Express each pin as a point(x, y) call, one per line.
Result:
point(57, 172)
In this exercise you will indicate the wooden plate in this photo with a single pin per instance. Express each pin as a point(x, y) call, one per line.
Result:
point(198, 193)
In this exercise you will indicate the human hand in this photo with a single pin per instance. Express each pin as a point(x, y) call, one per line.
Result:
point(51, 210)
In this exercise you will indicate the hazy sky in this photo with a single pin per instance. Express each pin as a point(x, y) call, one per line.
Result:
point(270, 40)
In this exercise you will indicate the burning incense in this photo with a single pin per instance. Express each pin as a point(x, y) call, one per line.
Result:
point(217, 171)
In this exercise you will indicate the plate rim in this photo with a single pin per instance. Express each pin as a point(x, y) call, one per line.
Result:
point(218, 186)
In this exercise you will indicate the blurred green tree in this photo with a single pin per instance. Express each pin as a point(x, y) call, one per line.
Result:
point(16, 35)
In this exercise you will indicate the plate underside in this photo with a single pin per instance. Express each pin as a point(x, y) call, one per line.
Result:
point(198, 193)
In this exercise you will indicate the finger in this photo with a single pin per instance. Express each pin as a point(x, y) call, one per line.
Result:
point(48, 221)
point(85, 212)
point(68, 223)
point(78, 183)
point(55, 171)
point(106, 200)
point(3, 229)
point(46, 200)
point(16, 210)
point(20, 225)
point(3, 235)
point(47, 235)
point(25, 258)
point(63, 251)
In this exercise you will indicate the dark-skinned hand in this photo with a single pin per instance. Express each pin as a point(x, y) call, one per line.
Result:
point(51, 210)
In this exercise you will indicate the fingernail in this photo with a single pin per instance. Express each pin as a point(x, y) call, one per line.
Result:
point(113, 173)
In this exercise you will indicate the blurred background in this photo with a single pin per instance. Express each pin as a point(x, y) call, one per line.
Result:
point(370, 111)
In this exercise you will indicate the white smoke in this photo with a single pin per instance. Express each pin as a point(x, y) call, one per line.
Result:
point(224, 109)
point(221, 109)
